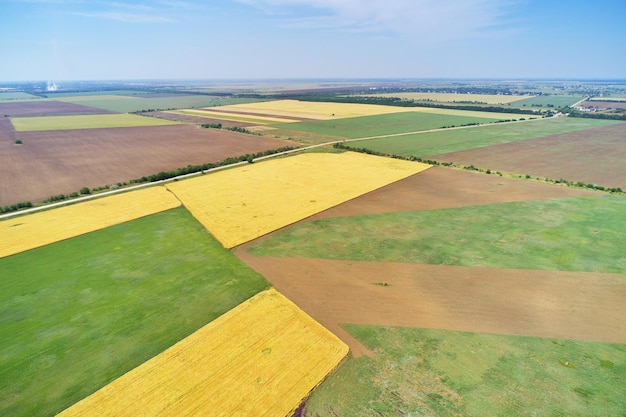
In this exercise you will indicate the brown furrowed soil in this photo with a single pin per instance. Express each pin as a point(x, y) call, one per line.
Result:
point(569, 305)
point(46, 108)
point(184, 118)
point(593, 156)
point(61, 162)
point(573, 305)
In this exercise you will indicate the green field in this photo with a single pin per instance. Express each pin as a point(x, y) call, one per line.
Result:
point(547, 101)
point(435, 143)
point(79, 313)
point(17, 95)
point(91, 121)
point(570, 234)
point(366, 126)
point(130, 103)
point(422, 372)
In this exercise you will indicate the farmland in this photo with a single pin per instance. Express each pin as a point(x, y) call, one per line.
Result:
point(106, 302)
point(239, 205)
point(45, 108)
point(470, 374)
point(455, 98)
point(382, 125)
point(98, 121)
point(457, 292)
point(42, 228)
point(579, 156)
point(138, 102)
point(435, 143)
point(266, 352)
point(521, 235)
point(53, 162)
point(547, 101)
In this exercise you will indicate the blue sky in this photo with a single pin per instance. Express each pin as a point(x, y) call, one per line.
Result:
point(253, 39)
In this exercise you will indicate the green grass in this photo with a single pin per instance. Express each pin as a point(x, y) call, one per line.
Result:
point(79, 313)
point(17, 95)
point(423, 372)
point(91, 121)
point(434, 143)
point(556, 101)
point(570, 234)
point(129, 103)
point(365, 126)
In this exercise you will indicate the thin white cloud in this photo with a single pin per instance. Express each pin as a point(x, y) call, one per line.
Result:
point(447, 19)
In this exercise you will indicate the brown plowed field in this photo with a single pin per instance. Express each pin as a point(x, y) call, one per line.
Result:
point(196, 119)
point(55, 162)
point(592, 156)
point(47, 108)
point(574, 305)
point(605, 104)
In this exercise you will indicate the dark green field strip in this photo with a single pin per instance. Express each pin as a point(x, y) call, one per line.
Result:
point(77, 314)
point(547, 102)
point(571, 234)
point(365, 126)
point(446, 373)
point(434, 143)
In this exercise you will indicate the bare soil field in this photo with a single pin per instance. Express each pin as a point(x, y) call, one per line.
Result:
point(605, 104)
point(55, 162)
point(46, 108)
point(253, 113)
point(184, 118)
point(592, 156)
point(574, 305)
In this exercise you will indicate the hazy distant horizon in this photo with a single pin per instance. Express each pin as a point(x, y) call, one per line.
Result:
point(74, 40)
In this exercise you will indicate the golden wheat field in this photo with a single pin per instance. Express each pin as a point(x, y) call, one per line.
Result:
point(452, 97)
point(235, 117)
point(242, 204)
point(33, 230)
point(260, 359)
point(313, 110)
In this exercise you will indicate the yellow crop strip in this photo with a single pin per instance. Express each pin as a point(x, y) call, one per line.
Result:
point(236, 117)
point(38, 229)
point(85, 121)
point(315, 110)
point(241, 204)
point(260, 359)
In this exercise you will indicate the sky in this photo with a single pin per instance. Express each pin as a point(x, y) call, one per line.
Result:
point(301, 39)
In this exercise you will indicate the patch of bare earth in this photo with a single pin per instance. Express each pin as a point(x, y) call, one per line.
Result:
point(61, 162)
point(605, 104)
point(593, 156)
point(46, 108)
point(572, 305)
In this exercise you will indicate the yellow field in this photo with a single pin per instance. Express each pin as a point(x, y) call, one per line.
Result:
point(314, 110)
point(38, 229)
point(260, 359)
point(241, 204)
point(451, 98)
point(235, 117)
point(85, 121)
point(608, 98)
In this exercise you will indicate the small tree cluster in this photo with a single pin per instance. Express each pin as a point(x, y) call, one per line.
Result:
point(16, 207)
